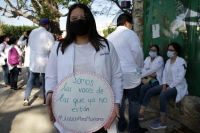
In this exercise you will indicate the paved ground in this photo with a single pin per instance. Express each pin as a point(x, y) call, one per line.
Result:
point(16, 118)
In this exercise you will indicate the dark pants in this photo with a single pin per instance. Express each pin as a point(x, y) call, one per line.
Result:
point(134, 105)
point(164, 96)
point(144, 92)
point(101, 131)
point(14, 73)
point(20, 70)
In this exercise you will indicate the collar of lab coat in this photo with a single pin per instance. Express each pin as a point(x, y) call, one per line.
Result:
point(148, 61)
point(176, 61)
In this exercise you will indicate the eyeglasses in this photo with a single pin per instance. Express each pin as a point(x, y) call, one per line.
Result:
point(153, 50)
point(74, 18)
point(171, 50)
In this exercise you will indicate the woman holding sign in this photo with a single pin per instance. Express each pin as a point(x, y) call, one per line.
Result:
point(83, 49)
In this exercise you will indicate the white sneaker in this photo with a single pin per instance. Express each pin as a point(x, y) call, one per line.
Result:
point(25, 102)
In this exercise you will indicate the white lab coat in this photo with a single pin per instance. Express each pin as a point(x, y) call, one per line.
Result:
point(40, 42)
point(2, 52)
point(106, 65)
point(178, 75)
point(156, 66)
point(22, 42)
point(127, 45)
point(2, 47)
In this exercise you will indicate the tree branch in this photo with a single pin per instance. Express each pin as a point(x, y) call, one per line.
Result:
point(117, 3)
point(11, 5)
point(51, 5)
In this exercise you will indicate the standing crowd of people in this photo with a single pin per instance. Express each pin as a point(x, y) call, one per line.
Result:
point(123, 67)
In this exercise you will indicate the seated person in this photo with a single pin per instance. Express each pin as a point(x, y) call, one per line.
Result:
point(173, 85)
point(153, 68)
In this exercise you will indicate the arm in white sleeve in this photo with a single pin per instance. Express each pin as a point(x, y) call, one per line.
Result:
point(18, 50)
point(51, 40)
point(51, 71)
point(138, 58)
point(136, 49)
point(156, 65)
point(21, 42)
point(164, 73)
point(181, 70)
point(2, 46)
point(116, 77)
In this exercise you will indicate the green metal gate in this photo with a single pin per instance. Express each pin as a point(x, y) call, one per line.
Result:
point(179, 21)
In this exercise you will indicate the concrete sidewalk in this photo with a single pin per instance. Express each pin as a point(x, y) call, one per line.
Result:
point(16, 118)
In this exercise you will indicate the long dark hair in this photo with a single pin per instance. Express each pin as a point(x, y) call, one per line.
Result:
point(2, 38)
point(158, 49)
point(12, 40)
point(176, 46)
point(93, 35)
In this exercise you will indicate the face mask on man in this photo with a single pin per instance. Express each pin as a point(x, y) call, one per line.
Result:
point(170, 54)
point(152, 54)
point(80, 27)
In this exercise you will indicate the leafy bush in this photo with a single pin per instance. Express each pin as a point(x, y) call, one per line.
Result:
point(15, 31)
point(106, 32)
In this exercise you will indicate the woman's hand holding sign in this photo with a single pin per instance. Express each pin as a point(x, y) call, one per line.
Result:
point(49, 107)
point(113, 116)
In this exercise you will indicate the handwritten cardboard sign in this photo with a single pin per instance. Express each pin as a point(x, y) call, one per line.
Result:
point(83, 102)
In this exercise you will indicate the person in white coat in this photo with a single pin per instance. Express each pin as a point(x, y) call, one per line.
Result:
point(14, 69)
point(84, 49)
point(174, 84)
point(3, 45)
point(127, 45)
point(153, 67)
point(40, 42)
point(23, 41)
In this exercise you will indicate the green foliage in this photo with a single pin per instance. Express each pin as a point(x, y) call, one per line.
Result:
point(42, 10)
point(15, 31)
point(108, 31)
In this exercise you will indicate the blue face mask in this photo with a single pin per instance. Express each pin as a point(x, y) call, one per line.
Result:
point(170, 54)
point(152, 54)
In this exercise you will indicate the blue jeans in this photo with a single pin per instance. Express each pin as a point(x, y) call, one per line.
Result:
point(37, 79)
point(6, 75)
point(150, 93)
point(30, 83)
point(133, 99)
point(164, 96)
point(144, 99)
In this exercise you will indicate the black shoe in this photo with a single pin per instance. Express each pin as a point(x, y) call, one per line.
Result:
point(141, 130)
point(122, 127)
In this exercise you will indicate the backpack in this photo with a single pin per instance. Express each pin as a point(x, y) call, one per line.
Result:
point(13, 56)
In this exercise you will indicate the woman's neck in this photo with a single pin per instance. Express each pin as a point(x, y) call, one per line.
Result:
point(152, 58)
point(173, 59)
point(82, 40)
